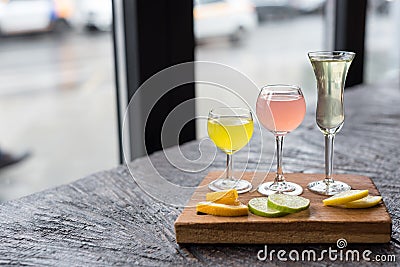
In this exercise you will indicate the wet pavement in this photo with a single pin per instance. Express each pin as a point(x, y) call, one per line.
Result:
point(57, 100)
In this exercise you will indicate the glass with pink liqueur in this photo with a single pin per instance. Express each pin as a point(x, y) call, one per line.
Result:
point(280, 109)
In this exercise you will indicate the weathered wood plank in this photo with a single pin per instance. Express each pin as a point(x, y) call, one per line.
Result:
point(106, 219)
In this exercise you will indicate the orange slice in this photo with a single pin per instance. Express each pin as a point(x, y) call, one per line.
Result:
point(222, 209)
point(228, 197)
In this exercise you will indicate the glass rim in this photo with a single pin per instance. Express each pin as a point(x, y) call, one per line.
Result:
point(242, 112)
point(281, 85)
point(333, 55)
point(285, 88)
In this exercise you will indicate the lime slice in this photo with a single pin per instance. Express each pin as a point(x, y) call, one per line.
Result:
point(288, 203)
point(366, 202)
point(258, 206)
point(344, 197)
point(221, 209)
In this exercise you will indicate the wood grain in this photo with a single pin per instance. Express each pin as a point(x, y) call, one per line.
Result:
point(106, 219)
point(318, 224)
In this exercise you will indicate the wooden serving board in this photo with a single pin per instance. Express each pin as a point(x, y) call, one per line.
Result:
point(318, 224)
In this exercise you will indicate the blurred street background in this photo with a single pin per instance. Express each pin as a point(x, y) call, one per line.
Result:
point(57, 88)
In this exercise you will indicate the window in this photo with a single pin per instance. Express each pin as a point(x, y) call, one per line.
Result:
point(272, 50)
point(57, 93)
point(382, 41)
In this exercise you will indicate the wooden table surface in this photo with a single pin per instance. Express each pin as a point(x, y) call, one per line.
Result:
point(107, 219)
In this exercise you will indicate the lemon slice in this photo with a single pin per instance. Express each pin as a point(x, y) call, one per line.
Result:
point(288, 203)
point(366, 202)
point(221, 209)
point(258, 206)
point(344, 197)
point(228, 197)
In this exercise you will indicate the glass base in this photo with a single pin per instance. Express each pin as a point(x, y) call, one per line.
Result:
point(287, 188)
point(320, 187)
point(242, 186)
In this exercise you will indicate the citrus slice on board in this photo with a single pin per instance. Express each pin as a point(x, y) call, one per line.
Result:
point(344, 197)
point(288, 203)
point(228, 197)
point(222, 209)
point(365, 202)
point(259, 206)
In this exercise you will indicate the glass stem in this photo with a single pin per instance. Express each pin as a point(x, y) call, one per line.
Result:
point(329, 138)
point(279, 173)
point(229, 169)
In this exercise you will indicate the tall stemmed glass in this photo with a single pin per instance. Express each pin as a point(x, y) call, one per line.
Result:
point(280, 109)
point(230, 129)
point(330, 69)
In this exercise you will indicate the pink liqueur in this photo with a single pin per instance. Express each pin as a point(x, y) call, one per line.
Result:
point(280, 113)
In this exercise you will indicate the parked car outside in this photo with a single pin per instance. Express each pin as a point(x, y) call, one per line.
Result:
point(26, 16)
point(223, 18)
point(273, 9)
point(95, 15)
point(308, 6)
point(283, 9)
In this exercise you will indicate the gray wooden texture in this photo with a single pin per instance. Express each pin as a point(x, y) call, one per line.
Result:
point(107, 219)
